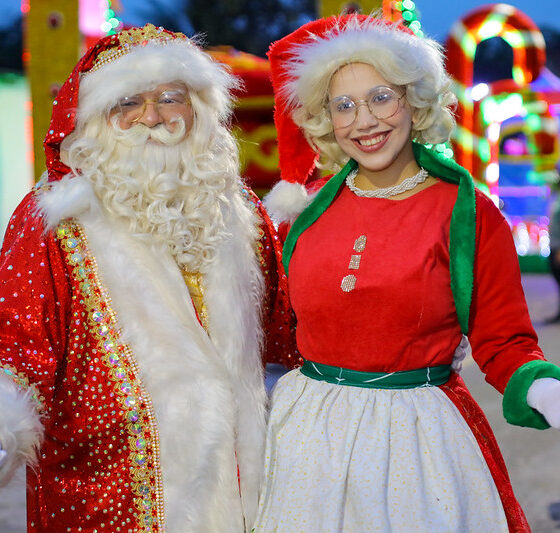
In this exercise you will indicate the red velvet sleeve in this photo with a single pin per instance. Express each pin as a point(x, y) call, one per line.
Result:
point(278, 317)
point(34, 302)
point(500, 330)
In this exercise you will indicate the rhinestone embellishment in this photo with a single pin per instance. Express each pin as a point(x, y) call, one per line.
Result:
point(360, 244)
point(348, 283)
point(355, 262)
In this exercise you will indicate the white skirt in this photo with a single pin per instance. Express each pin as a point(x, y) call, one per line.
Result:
point(351, 459)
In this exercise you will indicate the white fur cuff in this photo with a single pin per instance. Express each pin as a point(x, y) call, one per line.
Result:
point(21, 431)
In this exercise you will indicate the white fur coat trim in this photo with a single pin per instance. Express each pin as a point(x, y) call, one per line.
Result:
point(207, 392)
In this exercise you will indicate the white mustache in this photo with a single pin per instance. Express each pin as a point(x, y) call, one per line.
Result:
point(140, 134)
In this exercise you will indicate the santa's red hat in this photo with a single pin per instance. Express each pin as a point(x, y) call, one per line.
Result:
point(297, 61)
point(132, 61)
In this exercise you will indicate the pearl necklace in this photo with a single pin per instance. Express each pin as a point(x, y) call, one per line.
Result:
point(405, 185)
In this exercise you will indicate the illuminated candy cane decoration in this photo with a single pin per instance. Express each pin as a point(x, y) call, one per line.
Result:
point(470, 144)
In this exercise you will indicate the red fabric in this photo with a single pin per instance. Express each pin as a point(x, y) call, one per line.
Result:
point(46, 338)
point(278, 317)
point(458, 393)
point(50, 339)
point(501, 334)
point(401, 315)
point(98, 461)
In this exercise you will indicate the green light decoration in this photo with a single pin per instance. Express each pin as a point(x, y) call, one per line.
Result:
point(484, 150)
point(468, 44)
point(444, 149)
point(410, 16)
point(534, 122)
point(415, 26)
point(112, 22)
point(518, 74)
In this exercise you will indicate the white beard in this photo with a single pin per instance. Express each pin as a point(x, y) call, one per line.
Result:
point(156, 188)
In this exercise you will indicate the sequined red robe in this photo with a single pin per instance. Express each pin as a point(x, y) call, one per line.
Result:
point(150, 423)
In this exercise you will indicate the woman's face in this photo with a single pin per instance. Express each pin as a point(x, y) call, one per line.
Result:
point(375, 143)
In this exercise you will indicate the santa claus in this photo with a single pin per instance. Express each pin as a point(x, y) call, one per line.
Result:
point(139, 282)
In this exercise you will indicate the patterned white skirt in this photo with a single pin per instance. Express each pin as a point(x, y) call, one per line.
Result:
point(352, 459)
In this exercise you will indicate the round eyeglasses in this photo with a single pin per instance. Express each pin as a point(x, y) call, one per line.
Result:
point(168, 104)
point(382, 102)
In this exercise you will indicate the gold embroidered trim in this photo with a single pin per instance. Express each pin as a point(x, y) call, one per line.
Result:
point(135, 402)
point(22, 382)
point(129, 39)
point(196, 290)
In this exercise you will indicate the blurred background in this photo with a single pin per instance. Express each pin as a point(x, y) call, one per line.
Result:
point(504, 60)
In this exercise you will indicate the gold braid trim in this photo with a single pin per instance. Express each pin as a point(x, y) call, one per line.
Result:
point(129, 39)
point(195, 285)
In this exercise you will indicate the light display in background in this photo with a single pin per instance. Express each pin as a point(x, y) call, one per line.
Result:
point(51, 49)
point(98, 18)
point(16, 144)
point(405, 10)
point(507, 131)
point(253, 117)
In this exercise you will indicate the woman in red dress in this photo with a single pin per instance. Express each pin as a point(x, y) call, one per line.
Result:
point(395, 266)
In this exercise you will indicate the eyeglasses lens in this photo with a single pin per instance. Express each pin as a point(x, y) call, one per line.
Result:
point(168, 103)
point(382, 103)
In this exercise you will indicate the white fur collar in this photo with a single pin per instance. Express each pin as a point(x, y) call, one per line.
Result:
point(207, 392)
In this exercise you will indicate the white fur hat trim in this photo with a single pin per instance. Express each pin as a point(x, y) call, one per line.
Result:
point(146, 67)
point(357, 41)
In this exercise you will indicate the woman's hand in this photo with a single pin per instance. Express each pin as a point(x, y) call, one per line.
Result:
point(544, 396)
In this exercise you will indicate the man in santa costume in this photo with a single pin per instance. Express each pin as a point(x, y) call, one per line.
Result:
point(139, 283)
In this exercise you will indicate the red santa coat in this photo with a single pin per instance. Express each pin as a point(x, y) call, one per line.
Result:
point(147, 417)
point(149, 422)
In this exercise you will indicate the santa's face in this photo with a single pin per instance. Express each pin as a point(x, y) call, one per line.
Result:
point(164, 186)
point(167, 105)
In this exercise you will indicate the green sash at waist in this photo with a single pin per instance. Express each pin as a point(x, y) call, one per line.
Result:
point(403, 379)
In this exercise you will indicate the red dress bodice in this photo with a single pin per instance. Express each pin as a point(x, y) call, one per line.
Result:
point(401, 313)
